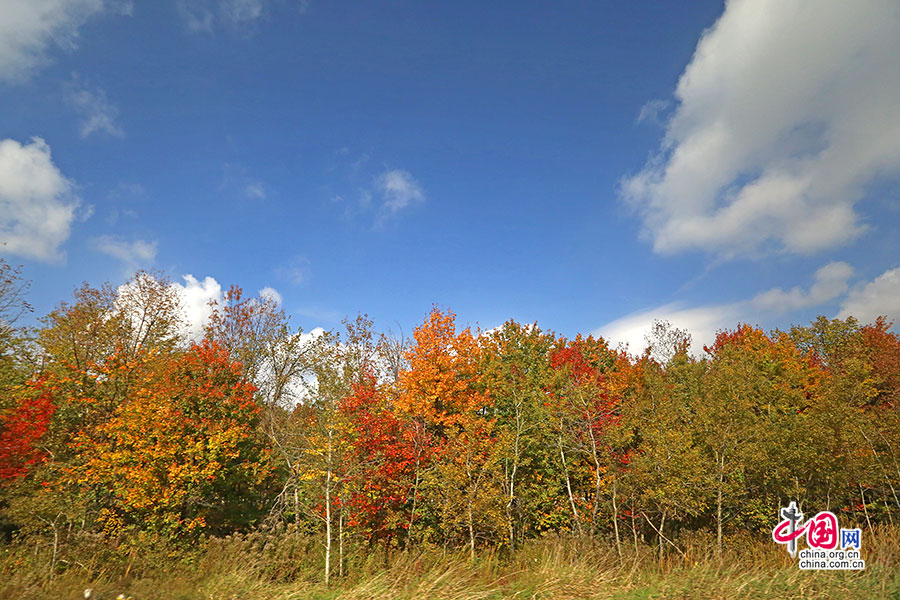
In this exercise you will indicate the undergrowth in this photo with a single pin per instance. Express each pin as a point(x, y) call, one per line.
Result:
point(288, 567)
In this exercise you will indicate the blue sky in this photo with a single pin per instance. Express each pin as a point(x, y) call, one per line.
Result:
point(590, 166)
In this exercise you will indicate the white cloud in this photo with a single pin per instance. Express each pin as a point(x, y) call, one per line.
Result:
point(193, 297)
point(206, 15)
point(830, 282)
point(97, 114)
point(880, 297)
point(84, 212)
point(37, 204)
point(295, 271)
point(133, 255)
point(242, 11)
point(255, 190)
point(311, 335)
point(786, 112)
point(371, 193)
point(195, 302)
point(238, 180)
point(197, 15)
point(652, 111)
point(196, 296)
point(302, 387)
point(28, 28)
point(703, 322)
point(398, 190)
point(271, 294)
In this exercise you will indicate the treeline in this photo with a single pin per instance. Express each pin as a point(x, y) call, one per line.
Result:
point(115, 427)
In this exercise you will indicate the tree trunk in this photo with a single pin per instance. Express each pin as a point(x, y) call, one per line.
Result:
point(512, 479)
point(662, 524)
point(865, 510)
point(615, 511)
point(412, 514)
point(328, 514)
point(562, 456)
point(595, 456)
point(55, 550)
point(634, 528)
point(296, 500)
point(341, 542)
point(471, 534)
point(721, 465)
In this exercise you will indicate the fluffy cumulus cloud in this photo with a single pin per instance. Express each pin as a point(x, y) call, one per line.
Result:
point(398, 190)
point(786, 113)
point(703, 322)
point(133, 255)
point(298, 388)
point(37, 204)
point(96, 113)
point(880, 297)
point(196, 297)
point(270, 294)
point(830, 282)
point(29, 28)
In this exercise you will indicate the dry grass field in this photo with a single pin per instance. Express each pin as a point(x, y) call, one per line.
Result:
point(288, 568)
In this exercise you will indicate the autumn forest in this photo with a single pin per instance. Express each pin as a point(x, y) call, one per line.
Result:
point(119, 432)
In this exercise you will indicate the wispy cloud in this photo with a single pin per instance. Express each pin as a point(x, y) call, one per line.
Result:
point(255, 190)
point(133, 255)
point(197, 16)
point(238, 180)
point(365, 192)
point(121, 197)
point(295, 271)
point(242, 11)
point(29, 28)
point(240, 16)
point(398, 190)
point(126, 190)
point(653, 110)
point(93, 107)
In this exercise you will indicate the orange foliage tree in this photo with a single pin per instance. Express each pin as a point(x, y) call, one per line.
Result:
point(182, 453)
point(442, 389)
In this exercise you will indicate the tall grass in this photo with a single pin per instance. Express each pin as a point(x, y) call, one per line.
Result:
point(289, 567)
